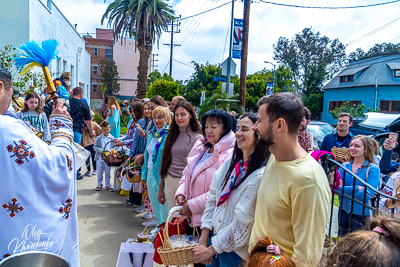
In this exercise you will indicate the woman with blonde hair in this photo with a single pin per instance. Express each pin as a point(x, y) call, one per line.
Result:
point(362, 164)
point(152, 162)
point(114, 116)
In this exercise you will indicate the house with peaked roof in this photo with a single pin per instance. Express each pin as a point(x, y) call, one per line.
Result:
point(374, 82)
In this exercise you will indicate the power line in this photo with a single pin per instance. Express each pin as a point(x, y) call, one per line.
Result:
point(215, 9)
point(328, 7)
point(183, 63)
point(374, 31)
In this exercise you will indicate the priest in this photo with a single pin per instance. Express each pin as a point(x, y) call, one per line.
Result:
point(38, 210)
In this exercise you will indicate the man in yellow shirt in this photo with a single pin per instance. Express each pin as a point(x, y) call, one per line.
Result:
point(294, 196)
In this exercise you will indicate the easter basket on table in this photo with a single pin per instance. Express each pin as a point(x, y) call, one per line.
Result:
point(177, 249)
point(114, 157)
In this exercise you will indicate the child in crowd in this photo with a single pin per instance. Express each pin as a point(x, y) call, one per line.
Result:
point(99, 145)
point(59, 84)
point(378, 245)
point(88, 143)
point(265, 253)
point(34, 115)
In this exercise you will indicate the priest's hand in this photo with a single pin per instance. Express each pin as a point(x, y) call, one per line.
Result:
point(60, 109)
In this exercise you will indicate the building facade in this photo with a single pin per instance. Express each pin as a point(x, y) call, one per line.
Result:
point(125, 56)
point(39, 20)
point(374, 82)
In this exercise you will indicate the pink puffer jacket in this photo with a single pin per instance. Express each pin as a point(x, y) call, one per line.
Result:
point(195, 189)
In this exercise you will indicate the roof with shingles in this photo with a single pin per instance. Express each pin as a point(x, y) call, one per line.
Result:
point(369, 68)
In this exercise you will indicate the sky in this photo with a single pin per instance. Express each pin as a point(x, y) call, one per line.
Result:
point(204, 38)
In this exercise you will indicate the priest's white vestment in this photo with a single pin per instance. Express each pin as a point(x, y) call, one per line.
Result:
point(38, 209)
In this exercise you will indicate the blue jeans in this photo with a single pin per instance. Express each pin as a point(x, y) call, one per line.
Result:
point(225, 259)
point(356, 223)
point(77, 137)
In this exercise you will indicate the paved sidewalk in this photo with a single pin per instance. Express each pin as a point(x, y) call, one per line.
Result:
point(104, 223)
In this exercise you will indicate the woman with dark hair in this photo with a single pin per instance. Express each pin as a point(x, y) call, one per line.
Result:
point(205, 158)
point(183, 133)
point(228, 218)
point(104, 108)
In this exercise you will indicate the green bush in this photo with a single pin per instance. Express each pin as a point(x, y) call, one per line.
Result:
point(164, 88)
point(97, 118)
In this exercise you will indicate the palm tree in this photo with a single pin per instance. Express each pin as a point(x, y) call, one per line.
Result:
point(143, 20)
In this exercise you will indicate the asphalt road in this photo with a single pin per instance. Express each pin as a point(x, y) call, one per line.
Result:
point(104, 223)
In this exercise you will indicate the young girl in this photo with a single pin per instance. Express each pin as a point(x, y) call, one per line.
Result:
point(35, 116)
point(362, 164)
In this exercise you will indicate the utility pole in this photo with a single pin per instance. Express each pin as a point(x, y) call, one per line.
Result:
point(153, 66)
point(228, 82)
point(243, 61)
point(177, 24)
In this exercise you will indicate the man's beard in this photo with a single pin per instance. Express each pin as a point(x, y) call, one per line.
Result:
point(302, 128)
point(266, 139)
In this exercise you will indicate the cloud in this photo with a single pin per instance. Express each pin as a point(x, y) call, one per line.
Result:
point(202, 38)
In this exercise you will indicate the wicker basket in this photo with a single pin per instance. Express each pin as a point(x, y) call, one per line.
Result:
point(341, 153)
point(135, 175)
point(175, 256)
point(112, 161)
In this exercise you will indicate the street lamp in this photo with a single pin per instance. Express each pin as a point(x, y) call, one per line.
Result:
point(273, 86)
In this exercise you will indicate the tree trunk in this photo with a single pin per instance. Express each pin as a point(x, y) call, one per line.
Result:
point(145, 52)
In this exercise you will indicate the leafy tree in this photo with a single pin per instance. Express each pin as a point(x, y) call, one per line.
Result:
point(153, 76)
point(109, 76)
point(166, 89)
point(209, 102)
point(307, 49)
point(313, 95)
point(35, 78)
point(203, 80)
point(355, 111)
point(376, 50)
point(143, 20)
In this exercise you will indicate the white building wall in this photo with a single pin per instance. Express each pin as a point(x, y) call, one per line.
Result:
point(32, 20)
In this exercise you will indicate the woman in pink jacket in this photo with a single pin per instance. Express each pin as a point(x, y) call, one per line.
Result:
point(206, 156)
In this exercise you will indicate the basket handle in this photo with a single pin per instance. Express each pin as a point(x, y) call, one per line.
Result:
point(166, 228)
point(107, 144)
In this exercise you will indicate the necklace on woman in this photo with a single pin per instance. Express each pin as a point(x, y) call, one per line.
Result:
point(159, 135)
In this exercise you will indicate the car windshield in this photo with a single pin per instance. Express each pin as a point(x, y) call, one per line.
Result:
point(320, 129)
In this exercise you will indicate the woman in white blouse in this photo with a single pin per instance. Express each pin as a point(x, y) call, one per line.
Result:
point(228, 218)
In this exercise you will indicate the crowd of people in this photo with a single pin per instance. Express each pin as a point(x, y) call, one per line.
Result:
point(251, 186)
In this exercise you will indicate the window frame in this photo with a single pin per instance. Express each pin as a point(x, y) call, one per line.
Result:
point(346, 79)
point(94, 88)
point(394, 73)
point(390, 107)
point(95, 52)
point(337, 103)
point(109, 55)
point(95, 70)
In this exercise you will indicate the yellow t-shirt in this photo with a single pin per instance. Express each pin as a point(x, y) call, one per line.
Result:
point(292, 208)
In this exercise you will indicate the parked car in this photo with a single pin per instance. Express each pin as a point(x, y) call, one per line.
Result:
point(375, 122)
point(320, 129)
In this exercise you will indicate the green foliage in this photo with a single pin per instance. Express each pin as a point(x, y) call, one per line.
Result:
point(376, 50)
point(256, 84)
point(314, 102)
point(35, 78)
point(309, 49)
point(98, 118)
point(209, 103)
point(153, 76)
point(313, 96)
point(123, 130)
point(109, 75)
point(355, 111)
point(166, 89)
point(203, 80)
point(124, 120)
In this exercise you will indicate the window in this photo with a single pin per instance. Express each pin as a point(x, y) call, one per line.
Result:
point(64, 65)
point(397, 73)
point(58, 67)
point(95, 88)
point(109, 53)
point(389, 106)
point(96, 52)
point(346, 79)
point(336, 104)
point(95, 70)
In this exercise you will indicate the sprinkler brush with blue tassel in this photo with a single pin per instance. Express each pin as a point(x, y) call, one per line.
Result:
point(31, 55)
